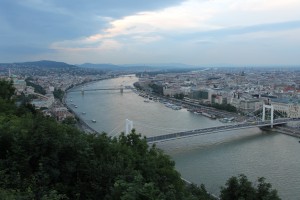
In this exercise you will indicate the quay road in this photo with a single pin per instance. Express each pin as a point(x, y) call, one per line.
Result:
point(209, 110)
point(205, 131)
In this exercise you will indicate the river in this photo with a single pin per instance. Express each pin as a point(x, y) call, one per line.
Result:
point(208, 159)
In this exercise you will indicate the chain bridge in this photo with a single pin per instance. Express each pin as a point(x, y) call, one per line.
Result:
point(83, 90)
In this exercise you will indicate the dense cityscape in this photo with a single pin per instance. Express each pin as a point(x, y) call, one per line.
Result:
point(239, 90)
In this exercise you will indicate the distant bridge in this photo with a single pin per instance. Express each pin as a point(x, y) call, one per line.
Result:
point(205, 131)
point(121, 89)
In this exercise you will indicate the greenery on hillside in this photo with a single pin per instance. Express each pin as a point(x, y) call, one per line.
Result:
point(41, 159)
point(58, 94)
point(37, 88)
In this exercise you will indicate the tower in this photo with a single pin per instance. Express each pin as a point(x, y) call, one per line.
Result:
point(128, 126)
point(264, 113)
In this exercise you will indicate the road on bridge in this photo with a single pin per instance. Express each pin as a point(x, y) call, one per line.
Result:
point(205, 131)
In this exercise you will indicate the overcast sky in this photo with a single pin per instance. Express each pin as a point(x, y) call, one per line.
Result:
point(197, 32)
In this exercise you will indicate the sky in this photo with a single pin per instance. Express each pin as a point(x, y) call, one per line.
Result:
point(194, 32)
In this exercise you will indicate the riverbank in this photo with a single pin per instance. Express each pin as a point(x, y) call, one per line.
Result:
point(291, 131)
point(80, 123)
point(206, 111)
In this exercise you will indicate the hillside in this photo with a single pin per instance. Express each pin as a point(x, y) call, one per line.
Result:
point(42, 63)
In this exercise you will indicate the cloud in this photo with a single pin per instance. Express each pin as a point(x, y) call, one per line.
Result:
point(145, 27)
point(194, 17)
point(263, 5)
point(188, 31)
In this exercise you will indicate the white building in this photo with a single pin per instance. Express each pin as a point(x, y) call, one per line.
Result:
point(290, 108)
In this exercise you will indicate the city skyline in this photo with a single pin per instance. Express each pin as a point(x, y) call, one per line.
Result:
point(193, 32)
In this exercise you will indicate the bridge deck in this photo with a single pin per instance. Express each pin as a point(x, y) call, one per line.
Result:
point(173, 136)
point(98, 89)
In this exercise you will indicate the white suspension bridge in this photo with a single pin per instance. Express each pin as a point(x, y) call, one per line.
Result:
point(266, 118)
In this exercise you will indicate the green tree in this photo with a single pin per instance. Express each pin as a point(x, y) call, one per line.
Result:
point(58, 94)
point(240, 187)
point(158, 89)
point(198, 193)
point(264, 191)
point(179, 96)
point(69, 120)
point(6, 89)
point(37, 88)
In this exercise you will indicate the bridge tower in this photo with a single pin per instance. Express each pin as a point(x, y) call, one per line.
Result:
point(128, 126)
point(82, 91)
point(264, 113)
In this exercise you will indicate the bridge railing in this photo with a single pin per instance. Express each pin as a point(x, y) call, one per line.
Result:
point(205, 131)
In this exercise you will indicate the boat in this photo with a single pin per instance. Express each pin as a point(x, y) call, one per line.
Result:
point(175, 107)
point(75, 106)
point(146, 101)
point(83, 113)
point(94, 121)
point(208, 115)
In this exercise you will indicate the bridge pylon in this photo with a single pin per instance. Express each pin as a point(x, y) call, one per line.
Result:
point(272, 113)
point(128, 126)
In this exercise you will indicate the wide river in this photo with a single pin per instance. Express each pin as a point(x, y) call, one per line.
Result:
point(208, 159)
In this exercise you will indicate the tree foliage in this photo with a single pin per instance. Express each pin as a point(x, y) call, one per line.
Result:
point(6, 89)
point(179, 96)
point(241, 188)
point(58, 94)
point(37, 88)
point(226, 107)
point(158, 89)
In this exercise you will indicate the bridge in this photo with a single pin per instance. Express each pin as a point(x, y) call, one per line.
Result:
point(121, 89)
point(204, 131)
